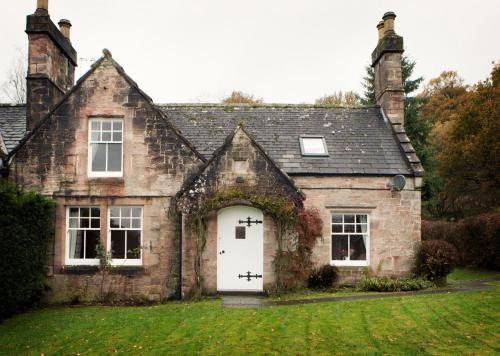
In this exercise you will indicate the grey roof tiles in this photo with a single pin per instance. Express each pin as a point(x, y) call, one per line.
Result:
point(359, 141)
point(12, 124)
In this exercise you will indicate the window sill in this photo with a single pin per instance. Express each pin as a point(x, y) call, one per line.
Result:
point(79, 269)
point(349, 263)
point(107, 179)
point(90, 270)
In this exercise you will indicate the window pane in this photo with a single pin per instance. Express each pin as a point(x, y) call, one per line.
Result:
point(136, 223)
point(84, 223)
point(125, 223)
point(337, 228)
point(73, 222)
point(95, 136)
point(98, 157)
point(117, 136)
point(339, 247)
point(349, 219)
point(114, 223)
point(136, 212)
point(358, 248)
point(114, 212)
point(133, 244)
point(73, 212)
point(361, 219)
point(106, 136)
point(117, 126)
point(95, 223)
point(84, 212)
point(95, 212)
point(126, 212)
point(313, 145)
point(118, 244)
point(114, 157)
point(92, 242)
point(337, 218)
point(349, 228)
point(361, 228)
point(106, 125)
point(95, 125)
point(75, 244)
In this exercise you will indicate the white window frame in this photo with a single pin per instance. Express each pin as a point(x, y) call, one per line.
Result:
point(304, 153)
point(126, 261)
point(91, 173)
point(350, 263)
point(80, 261)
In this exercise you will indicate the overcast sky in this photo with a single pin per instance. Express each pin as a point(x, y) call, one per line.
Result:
point(279, 50)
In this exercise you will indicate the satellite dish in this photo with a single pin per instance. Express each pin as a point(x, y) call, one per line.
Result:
point(398, 183)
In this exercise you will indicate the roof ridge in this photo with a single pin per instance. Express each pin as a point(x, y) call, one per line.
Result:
point(264, 105)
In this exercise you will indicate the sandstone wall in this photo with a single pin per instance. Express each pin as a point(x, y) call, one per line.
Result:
point(394, 219)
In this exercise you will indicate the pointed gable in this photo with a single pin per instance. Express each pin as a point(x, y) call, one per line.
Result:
point(241, 164)
point(54, 156)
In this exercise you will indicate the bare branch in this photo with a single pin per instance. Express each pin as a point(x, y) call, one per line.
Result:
point(14, 87)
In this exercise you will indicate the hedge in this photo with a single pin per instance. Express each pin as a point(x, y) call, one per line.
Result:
point(26, 228)
point(476, 238)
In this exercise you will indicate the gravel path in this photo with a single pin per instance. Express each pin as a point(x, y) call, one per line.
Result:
point(252, 301)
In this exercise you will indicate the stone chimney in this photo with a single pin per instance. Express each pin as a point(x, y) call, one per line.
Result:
point(386, 62)
point(51, 63)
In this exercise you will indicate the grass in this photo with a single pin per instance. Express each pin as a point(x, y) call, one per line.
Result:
point(311, 294)
point(470, 274)
point(465, 323)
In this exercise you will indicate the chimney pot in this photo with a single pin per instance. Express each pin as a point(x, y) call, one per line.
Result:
point(389, 21)
point(64, 27)
point(381, 30)
point(42, 6)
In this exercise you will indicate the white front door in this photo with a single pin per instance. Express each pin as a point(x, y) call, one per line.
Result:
point(240, 249)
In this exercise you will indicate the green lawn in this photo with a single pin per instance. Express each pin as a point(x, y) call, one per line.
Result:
point(469, 274)
point(457, 323)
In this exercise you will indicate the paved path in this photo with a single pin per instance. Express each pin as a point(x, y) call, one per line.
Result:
point(245, 301)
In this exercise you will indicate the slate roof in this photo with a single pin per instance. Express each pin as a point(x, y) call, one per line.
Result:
point(12, 124)
point(359, 140)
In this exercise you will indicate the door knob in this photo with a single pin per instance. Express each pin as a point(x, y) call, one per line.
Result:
point(220, 253)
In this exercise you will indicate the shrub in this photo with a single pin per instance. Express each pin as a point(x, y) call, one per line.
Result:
point(323, 277)
point(385, 284)
point(26, 221)
point(477, 238)
point(435, 259)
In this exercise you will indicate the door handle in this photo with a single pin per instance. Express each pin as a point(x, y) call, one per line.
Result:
point(220, 253)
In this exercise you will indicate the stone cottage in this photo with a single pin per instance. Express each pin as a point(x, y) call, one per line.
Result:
point(126, 174)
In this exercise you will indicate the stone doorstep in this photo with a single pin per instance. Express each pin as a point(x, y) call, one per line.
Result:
point(241, 301)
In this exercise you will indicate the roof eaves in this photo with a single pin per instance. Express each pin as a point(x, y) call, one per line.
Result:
point(405, 146)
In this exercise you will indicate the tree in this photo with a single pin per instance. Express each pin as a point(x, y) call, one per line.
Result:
point(14, 87)
point(348, 98)
point(467, 135)
point(238, 97)
point(410, 85)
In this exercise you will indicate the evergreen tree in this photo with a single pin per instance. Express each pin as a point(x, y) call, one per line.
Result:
point(410, 85)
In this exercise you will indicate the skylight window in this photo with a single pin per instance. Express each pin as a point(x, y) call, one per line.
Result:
point(313, 146)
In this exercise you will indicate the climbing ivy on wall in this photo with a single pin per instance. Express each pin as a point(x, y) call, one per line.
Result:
point(296, 230)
